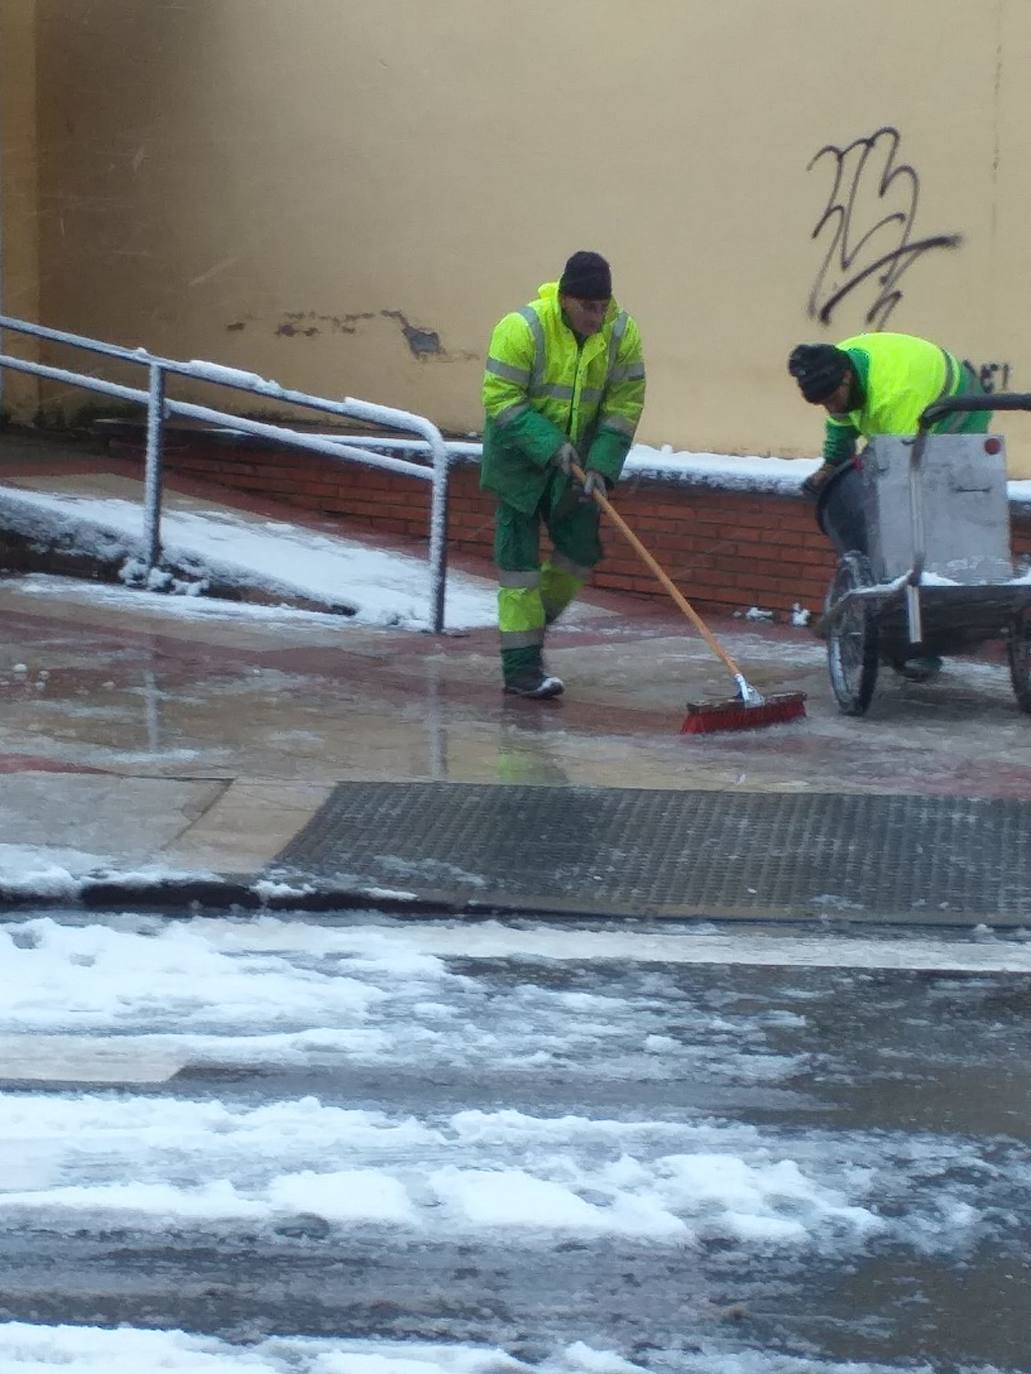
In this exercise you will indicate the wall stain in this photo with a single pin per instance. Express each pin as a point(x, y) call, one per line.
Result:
point(289, 330)
point(234, 328)
point(422, 342)
point(310, 322)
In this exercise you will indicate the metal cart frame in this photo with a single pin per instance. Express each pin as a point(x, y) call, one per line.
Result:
point(919, 612)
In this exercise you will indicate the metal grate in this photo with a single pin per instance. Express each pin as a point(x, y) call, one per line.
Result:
point(611, 851)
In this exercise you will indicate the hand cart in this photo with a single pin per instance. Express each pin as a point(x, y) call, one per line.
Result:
point(922, 532)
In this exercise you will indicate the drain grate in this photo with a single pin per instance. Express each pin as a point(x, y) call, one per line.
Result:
point(638, 852)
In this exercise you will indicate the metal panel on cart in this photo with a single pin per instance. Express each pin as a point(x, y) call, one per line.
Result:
point(966, 508)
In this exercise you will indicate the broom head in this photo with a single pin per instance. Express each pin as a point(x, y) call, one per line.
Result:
point(706, 717)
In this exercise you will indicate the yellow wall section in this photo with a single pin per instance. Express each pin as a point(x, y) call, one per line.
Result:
point(19, 165)
point(346, 196)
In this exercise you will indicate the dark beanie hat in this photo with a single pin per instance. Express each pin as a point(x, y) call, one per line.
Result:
point(587, 277)
point(819, 370)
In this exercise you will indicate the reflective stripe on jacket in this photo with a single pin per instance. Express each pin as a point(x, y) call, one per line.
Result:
point(899, 376)
point(541, 387)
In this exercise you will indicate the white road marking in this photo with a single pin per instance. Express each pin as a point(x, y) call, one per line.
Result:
point(687, 947)
point(86, 1059)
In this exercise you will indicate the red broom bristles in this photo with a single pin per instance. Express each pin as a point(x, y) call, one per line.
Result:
point(704, 718)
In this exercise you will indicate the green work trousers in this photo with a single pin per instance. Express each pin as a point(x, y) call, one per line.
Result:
point(531, 594)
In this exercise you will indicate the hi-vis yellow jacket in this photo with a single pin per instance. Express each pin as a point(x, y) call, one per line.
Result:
point(898, 376)
point(542, 387)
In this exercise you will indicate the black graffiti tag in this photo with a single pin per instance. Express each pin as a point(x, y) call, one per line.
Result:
point(992, 376)
point(868, 183)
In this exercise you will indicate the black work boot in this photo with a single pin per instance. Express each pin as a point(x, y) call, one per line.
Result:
point(534, 682)
point(922, 668)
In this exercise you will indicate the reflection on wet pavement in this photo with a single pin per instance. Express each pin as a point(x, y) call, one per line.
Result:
point(161, 694)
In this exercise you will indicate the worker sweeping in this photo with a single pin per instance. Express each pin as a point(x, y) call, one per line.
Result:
point(563, 387)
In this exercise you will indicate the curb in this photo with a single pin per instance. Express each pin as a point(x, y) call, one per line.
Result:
point(221, 893)
point(232, 895)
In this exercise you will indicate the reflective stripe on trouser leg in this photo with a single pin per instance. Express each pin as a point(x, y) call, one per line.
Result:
point(520, 610)
point(521, 629)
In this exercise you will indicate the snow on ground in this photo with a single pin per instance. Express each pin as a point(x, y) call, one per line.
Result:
point(56, 873)
point(383, 587)
point(76, 591)
point(28, 1349)
point(61, 874)
point(154, 1162)
point(254, 989)
point(86, 1000)
point(133, 1000)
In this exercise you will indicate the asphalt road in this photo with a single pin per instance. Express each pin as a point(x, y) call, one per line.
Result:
point(846, 1151)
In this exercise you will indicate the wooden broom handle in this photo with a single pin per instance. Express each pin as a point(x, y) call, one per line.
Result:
point(670, 586)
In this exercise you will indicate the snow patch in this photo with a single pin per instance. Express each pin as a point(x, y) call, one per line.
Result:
point(383, 587)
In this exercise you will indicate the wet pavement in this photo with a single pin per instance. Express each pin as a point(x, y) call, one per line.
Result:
point(202, 740)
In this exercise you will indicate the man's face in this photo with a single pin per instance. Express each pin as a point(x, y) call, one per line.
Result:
point(837, 402)
point(585, 317)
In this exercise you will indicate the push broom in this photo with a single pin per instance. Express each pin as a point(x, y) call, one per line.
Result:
point(746, 711)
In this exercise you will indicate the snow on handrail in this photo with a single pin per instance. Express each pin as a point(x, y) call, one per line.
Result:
point(159, 407)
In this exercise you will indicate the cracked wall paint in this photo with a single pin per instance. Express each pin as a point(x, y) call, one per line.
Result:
point(422, 342)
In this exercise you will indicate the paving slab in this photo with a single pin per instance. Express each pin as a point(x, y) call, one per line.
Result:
point(247, 826)
point(102, 814)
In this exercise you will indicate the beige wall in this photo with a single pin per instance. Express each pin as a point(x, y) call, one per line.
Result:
point(287, 185)
point(19, 262)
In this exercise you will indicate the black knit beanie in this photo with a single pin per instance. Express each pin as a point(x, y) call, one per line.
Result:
point(819, 370)
point(587, 277)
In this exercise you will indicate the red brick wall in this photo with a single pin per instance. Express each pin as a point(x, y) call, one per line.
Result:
point(726, 549)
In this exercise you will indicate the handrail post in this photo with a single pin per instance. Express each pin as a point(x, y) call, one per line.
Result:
point(438, 531)
point(153, 473)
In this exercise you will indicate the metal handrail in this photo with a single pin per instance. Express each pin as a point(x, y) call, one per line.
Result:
point(160, 407)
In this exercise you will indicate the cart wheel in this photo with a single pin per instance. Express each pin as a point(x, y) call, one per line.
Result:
point(852, 635)
point(1019, 649)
